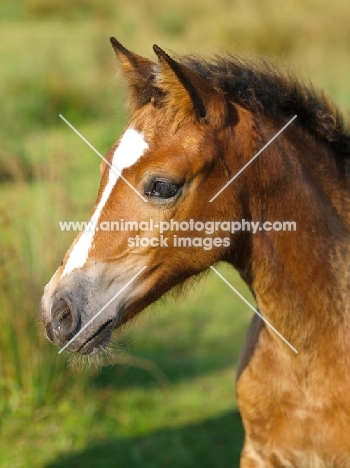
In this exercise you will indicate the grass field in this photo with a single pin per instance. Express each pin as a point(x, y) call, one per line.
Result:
point(166, 395)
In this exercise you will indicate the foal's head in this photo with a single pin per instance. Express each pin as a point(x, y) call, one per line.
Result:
point(172, 156)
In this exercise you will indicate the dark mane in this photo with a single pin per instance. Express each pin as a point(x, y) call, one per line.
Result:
point(262, 88)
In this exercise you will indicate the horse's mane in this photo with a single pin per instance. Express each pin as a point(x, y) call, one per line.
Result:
point(262, 87)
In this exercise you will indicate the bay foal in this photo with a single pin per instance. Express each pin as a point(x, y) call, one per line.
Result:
point(195, 124)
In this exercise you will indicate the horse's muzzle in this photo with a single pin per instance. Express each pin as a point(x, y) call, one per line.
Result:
point(64, 323)
point(65, 329)
point(70, 312)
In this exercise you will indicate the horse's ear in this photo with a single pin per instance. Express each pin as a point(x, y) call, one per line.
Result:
point(137, 71)
point(186, 91)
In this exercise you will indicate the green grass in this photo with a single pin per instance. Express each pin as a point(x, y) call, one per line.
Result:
point(169, 398)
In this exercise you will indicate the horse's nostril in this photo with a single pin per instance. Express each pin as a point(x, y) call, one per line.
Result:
point(63, 318)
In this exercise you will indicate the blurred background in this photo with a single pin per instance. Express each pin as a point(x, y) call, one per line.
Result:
point(165, 395)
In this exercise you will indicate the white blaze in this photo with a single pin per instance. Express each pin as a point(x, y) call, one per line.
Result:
point(131, 147)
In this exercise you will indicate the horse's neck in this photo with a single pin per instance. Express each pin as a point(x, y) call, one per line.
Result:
point(301, 279)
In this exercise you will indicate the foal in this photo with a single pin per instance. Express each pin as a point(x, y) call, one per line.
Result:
point(195, 125)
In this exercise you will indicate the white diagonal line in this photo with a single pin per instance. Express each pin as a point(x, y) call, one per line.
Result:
point(101, 310)
point(251, 160)
point(253, 308)
point(103, 158)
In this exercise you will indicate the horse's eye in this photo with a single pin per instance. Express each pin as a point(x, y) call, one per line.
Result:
point(162, 189)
